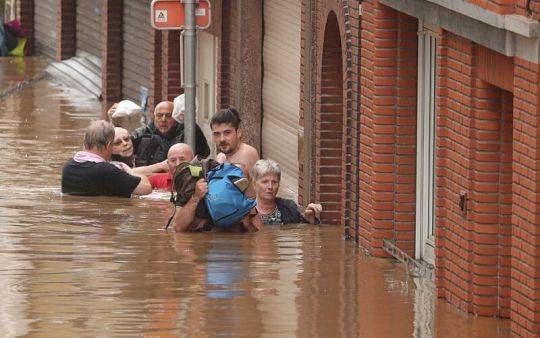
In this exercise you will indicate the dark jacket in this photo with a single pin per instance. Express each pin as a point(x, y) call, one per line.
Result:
point(150, 146)
point(289, 211)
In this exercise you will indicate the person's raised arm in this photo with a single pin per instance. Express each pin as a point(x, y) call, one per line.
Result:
point(185, 215)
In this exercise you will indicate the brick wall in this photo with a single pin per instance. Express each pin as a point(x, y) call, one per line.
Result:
point(329, 126)
point(65, 29)
point(111, 51)
point(25, 14)
point(525, 261)
point(333, 104)
point(228, 55)
point(497, 6)
point(156, 80)
point(241, 65)
point(529, 8)
point(487, 147)
point(170, 67)
point(388, 128)
point(350, 146)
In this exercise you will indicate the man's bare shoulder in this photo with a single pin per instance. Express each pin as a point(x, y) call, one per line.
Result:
point(248, 150)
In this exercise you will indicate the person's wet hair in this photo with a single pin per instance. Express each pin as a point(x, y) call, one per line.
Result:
point(228, 116)
point(98, 134)
point(262, 168)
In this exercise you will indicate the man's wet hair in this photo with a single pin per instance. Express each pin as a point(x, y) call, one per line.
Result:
point(228, 116)
point(98, 134)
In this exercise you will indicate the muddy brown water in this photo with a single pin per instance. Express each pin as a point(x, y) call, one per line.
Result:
point(72, 266)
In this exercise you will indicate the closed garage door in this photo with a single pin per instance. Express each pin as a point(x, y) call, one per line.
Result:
point(45, 27)
point(89, 27)
point(281, 89)
point(136, 48)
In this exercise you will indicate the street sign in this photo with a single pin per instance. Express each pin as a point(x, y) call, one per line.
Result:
point(169, 14)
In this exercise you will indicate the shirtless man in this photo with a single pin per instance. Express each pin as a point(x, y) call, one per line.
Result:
point(227, 137)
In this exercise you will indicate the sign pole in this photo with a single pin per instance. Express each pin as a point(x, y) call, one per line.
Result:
point(190, 47)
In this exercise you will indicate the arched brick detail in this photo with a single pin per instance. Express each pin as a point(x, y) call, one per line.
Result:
point(329, 125)
point(345, 16)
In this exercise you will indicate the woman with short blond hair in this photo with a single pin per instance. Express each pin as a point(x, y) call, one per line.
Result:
point(266, 175)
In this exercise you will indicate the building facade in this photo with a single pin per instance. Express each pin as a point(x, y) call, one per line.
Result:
point(414, 122)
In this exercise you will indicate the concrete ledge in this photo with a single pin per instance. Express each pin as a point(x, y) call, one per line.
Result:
point(515, 23)
point(522, 25)
point(510, 35)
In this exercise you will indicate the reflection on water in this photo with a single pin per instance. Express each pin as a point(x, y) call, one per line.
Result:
point(72, 266)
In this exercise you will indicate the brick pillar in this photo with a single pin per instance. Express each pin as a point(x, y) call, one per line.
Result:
point(388, 120)
point(525, 261)
point(453, 233)
point(489, 206)
point(353, 111)
point(111, 51)
point(65, 29)
point(25, 14)
point(249, 65)
point(228, 34)
point(155, 70)
point(474, 141)
point(170, 74)
point(241, 72)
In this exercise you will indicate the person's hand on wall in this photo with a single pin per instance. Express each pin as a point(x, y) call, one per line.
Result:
point(313, 213)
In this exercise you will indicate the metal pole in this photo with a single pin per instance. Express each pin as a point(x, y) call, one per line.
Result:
point(190, 47)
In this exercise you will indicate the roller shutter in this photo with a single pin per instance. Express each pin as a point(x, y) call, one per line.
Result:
point(89, 27)
point(45, 27)
point(136, 48)
point(281, 89)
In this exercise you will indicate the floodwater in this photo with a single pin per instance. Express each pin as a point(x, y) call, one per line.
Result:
point(73, 266)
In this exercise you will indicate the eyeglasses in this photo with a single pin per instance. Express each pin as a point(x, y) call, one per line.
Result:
point(166, 116)
point(123, 139)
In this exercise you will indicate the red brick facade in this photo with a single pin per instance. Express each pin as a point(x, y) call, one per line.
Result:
point(358, 110)
point(65, 28)
point(111, 55)
point(388, 121)
point(485, 255)
point(25, 13)
point(474, 155)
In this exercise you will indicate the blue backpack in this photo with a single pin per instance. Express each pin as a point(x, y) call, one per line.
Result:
point(226, 204)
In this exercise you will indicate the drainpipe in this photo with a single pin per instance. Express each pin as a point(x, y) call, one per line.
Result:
point(308, 132)
point(238, 96)
point(190, 44)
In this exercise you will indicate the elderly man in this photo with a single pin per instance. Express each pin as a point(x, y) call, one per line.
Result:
point(177, 154)
point(152, 142)
point(89, 173)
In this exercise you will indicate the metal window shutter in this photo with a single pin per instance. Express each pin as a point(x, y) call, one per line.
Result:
point(89, 27)
point(281, 89)
point(45, 27)
point(136, 48)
